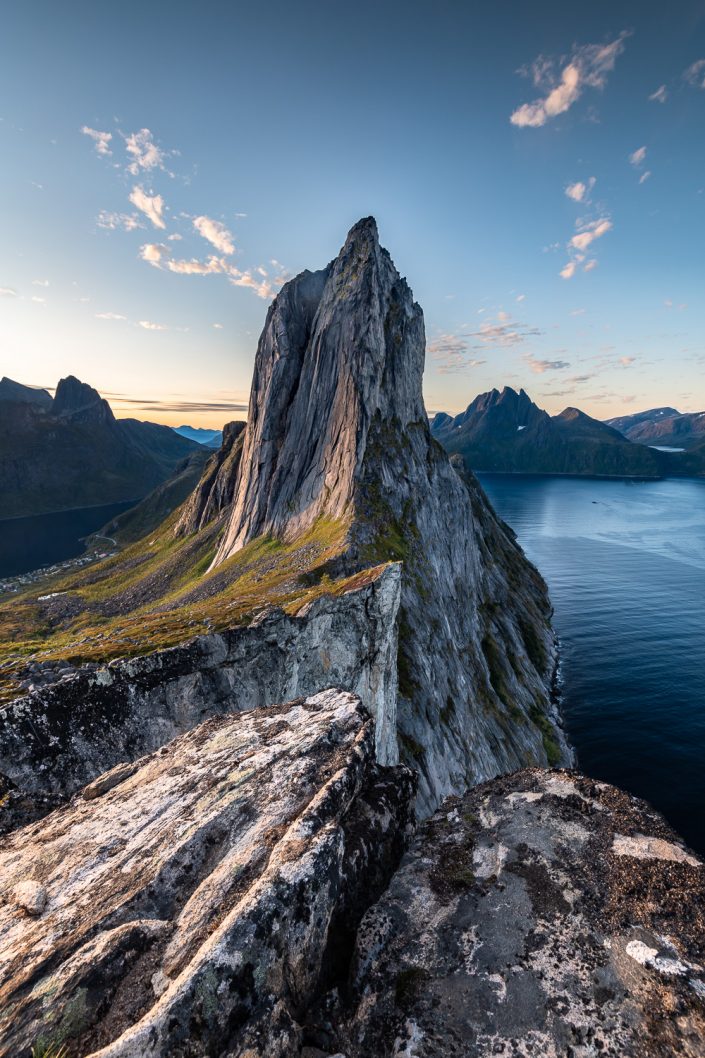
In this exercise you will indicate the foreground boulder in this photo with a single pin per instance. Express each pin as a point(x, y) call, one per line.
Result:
point(542, 915)
point(195, 903)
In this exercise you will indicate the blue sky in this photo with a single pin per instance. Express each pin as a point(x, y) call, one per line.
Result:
point(537, 172)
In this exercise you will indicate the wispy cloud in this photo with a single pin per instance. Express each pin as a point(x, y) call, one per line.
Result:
point(451, 353)
point(149, 326)
point(660, 95)
point(101, 140)
point(580, 191)
point(563, 81)
point(637, 157)
point(568, 271)
point(37, 300)
point(7, 292)
point(540, 367)
point(627, 361)
point(695, 74)
point(109, 316)
point(216, 234)
point(213, 266)
point(151, 205)
point(40, 282)
point(143, 151)
point(644, 176)
point(113, 221)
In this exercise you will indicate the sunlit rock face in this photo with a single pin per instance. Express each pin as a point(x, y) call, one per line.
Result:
point(543, 914)
point(337, 428)
point(198, 902)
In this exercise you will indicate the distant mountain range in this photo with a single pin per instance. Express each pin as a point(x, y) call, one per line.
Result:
point(209, 438)
point(70, 451)
point(506, 432)
point(663, 427)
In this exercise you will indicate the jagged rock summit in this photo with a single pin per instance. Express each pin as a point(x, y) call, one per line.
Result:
point(337, 430)
point(339, 347)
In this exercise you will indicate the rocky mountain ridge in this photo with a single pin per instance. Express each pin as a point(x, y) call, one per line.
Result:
point(505, 432)
point(70, 451)
point(663, 426)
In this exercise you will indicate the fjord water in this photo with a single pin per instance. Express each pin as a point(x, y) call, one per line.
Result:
point(625, 565)
point(29, 543)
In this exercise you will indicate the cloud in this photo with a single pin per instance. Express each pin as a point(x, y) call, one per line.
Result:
point(218, 326)
point(569, 270)
point(638, 156)
point(109, 316)
point(112, 221)
point(144, 152)
point(644, 176)
point(149, 326)
point(594, 229)
point(521, 297)
point(100, 139)
point(40, 282)
point(148, 404)
point(627, 361)
point(695, 74)
point(451, 353)
point(587, 67)
point(175, 237)
point(580, 191)
point(216, 233)
point(212, 266)
point(589, 265)
point(7, 292)
point(540, 367)
point(151, 205)
point(153, 252)
point(262, 288)
point(660, 95)
point(38, 300)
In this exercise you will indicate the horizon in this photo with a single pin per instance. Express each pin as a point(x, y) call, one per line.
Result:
point(539, 190)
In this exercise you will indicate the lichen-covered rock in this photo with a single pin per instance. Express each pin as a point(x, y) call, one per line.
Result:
point(61, 736)
point(337, 428)
point(198, 906)
point(542, 915)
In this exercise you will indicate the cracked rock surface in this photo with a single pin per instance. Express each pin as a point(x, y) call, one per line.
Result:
point(543, 915)
point(196, 905)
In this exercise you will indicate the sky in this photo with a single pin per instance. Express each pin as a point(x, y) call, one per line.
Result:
point(537, 172)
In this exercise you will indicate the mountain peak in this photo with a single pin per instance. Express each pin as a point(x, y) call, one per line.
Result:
point(78, 401)
point(15, 391)
point(339, 347)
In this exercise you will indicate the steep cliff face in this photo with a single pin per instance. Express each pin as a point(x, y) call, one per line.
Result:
point(63, 735)
point(337, 428)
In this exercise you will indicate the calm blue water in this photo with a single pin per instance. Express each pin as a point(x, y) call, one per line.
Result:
point(625, 565)
point(30, 543)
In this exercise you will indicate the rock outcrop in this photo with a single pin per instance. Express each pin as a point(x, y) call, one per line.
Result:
point(197, 904)
point(542, 915)
point(61, 736)
point(213, 495)
point(337, 429)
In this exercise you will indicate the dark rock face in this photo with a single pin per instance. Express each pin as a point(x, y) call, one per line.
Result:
point(74, 453)
point(15, 391)
point(213, 496)
point(337, 429)
point(542, 915)
point(63, 735)
point(506, 432)
point(198, 904)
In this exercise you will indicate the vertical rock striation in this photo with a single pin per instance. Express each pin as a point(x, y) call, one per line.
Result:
point(337, 428)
